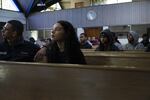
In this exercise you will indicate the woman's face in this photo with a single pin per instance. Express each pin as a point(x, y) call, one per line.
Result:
point(57, 32)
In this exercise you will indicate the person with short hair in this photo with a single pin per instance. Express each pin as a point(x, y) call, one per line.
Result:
point(14, 47)
point(84, 43)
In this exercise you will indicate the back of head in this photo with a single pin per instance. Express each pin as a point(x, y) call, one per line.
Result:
point(145, 36)
point(32, 40)
point(17, 26)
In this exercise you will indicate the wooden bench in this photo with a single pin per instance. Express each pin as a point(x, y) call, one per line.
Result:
point(118, 58)
point(30, 81)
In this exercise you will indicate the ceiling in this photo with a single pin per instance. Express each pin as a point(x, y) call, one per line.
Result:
point(30, 6)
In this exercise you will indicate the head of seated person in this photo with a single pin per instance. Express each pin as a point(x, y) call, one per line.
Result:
point(65, 46)
point(14, 47)
point(133, 43)
point(116, 41)
point(106, 42)
point(12, 31)
point(145, 40)
point(84, 43)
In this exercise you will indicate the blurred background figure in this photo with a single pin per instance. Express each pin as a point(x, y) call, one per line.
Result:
point(116, 41)
point(32, 40)
point(133, 43)
point(94, 41)
point(84, 42)
point(145, 40)
point(106, 42)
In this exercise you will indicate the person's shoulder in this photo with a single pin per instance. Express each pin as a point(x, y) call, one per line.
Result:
point(140, 45)
point(29, 44)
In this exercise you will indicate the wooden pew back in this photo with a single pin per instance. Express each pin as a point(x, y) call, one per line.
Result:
point(118, 58)
point(28, 81)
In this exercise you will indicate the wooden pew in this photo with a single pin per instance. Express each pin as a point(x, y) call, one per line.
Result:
point(137, 59)
point(30, 81)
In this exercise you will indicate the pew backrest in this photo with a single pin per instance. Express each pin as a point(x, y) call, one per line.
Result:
point(30, 81)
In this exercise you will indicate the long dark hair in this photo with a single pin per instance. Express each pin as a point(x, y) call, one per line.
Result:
point(70, 36)
point(71, 43)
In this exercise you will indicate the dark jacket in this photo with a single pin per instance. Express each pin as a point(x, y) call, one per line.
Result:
point(21, 50)
point(55, 56)
point(85, 45)
point(148, 48)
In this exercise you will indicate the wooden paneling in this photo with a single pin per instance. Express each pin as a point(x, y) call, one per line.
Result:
point(93, 32)
point(79, 4)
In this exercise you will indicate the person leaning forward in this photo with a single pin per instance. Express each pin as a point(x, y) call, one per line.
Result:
point(14, 47)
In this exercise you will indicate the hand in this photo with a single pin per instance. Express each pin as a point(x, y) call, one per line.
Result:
point(41, 55)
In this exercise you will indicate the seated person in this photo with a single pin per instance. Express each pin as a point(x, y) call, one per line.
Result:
point(145, 40)
point(64, 48)
point(106, 42)
point(133, 43)
point(116, 41)
point(84, 43)
point(14, 47)
point(148, 48)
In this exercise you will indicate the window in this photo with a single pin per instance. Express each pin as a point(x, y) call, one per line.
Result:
point(53, 7)
point(8, 4)
point(116, 1)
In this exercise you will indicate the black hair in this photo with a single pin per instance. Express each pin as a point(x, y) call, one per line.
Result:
point(17, 26)
point(145, 35)
point(71, 44)
point(71, 40)
point(115, 37)
point(84, 34)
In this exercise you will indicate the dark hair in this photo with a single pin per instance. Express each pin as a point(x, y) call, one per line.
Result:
point(71, 40)
point(115, 37)
point(84, 34)
point(17, 26)
point(31, 39)
point(145, 35)
point(71, 44)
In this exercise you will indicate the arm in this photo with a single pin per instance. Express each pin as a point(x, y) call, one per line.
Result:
point(41, 55)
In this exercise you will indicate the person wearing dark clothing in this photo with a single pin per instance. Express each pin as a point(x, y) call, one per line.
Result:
point(145, 40)
point(147, 48)
point(106, 42)
point(65, 47)
point(14, 47)
point(84, 43)
point(116, 41)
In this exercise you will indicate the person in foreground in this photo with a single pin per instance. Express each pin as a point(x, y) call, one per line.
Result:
point(64, 48)
point(14, 47)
